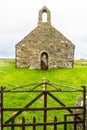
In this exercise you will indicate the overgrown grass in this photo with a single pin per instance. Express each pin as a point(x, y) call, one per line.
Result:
point(10, 77)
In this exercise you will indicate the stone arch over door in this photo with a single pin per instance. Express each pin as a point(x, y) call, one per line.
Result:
point(44, 61)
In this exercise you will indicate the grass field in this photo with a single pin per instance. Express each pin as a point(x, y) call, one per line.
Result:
point(10, 77)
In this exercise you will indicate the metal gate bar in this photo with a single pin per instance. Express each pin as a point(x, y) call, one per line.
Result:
point(10, 123)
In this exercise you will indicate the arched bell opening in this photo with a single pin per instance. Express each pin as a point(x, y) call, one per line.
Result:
point(44, 17)
point(44, 61)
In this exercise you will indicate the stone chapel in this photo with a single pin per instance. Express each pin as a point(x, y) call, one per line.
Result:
point(45, 47)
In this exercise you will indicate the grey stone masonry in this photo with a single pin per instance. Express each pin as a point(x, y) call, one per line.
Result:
point(45, 47)
point(80, 103)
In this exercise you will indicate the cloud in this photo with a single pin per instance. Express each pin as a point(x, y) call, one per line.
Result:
point(19, 17)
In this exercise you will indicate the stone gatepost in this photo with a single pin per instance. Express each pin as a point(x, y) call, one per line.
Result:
point(80, 103)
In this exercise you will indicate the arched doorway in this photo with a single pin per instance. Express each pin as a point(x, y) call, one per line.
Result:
point(44, 61)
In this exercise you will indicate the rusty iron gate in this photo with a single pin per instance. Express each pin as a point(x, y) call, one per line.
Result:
point(44, 92)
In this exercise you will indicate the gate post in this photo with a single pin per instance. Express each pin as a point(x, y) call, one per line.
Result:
point(45, 106)
point(82, 102)
point(0, 109)
point(84, 105)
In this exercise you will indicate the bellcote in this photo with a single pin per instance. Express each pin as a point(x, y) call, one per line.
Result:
point(44, 16)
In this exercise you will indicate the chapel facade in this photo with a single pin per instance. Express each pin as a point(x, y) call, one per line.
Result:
point(45, 47)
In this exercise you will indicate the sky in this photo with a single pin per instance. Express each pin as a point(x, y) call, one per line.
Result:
point(19, 17)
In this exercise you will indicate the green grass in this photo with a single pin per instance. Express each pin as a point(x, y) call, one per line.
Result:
point(10, 77)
